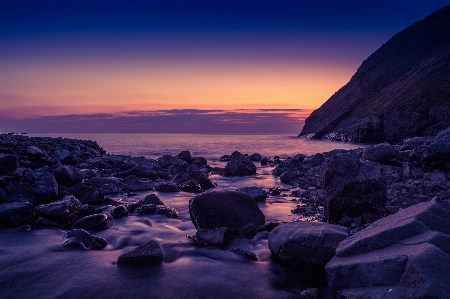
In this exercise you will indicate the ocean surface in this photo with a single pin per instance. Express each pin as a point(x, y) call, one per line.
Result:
point(34, 263)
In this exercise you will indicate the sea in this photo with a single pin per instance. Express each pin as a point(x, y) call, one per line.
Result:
point(35, 264)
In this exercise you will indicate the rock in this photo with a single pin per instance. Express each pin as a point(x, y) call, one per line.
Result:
point(202, 179)
point(167, 187)
point(148, 209)
point(306, 244)
point(42, 222)
point(407, 253)
point(437, 153)
point(8, 163)
point(133, 183)
point(119, 211)
point(213, 237)
point(352, 187)
point(258, 194)
point(147, 254)
point(144, 171)
point(199, 161)
point(230, 209)
point(94, 222)
point(185, 156)
point(248, 230)
point(191, 186)
point(152, 199)
point(249, 255)
point(380, 153)
point(3, 196)
point(166, 161)
point(20, 192)
point(67, 175)
point(225, 158)
point(414, 142)
point(239, 165)
point(79, 238)
point(45, 188)
point(110, 185)
point(256, 157)
point(34, 151)
point(16, 214)
point(62, 211)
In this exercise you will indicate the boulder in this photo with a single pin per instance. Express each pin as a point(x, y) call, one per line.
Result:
point(67, 175)
point(119, 211)
point(258, 194)
point(380, 153)
point(62, 211)
point(407, 253)
point(144, 171)
point(19, 192)
point(229, 209)
point(3, 196)
point(191, 186)
point(16, 214)
point(148, 209)
point(99, 221)
point(213, 237)
point(34, 151)
point(352, 187)
point(152, 199)
point(185, 156)
point(8, 163)
point(167, 187)
point(202, 179)
point(256, 157)
point(79, 238)
point(437, 153)
point(147, 254)
point(239, 165)
point(306, 244)
point(45, 188)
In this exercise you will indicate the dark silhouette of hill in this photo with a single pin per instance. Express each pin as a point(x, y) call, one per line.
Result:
point(401, 90)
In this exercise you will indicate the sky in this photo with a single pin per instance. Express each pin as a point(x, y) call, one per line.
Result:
point(184, 66)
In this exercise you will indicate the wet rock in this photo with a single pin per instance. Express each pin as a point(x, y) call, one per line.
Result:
point(239, 165)
point(42, 222)
point(407, 253)
point(256, 157)
point(380, 153)
point(34, 151)
point(199, 161)
point(185, 156)
point(264, 161)
point(248, 230)
point(191, 186)
point(202, 179)
point(230, 209)
point(67, 175)
point(133, 183)
point(249, 255)
point(166, 161)
point(119, 211)
point(213, 237)
point(352, 187)
point(110, 185)
point(144, 171)
point(147, 254)
point(20, 192)
point(167, 187)
point(148, 209)
point(94, 222)
point(62, 211)
point(87, 209)
point(306, 244)
point(152, 199)
point(225, 158)
point(8, 163)
point(79, 238)
point(16, 214)
point(45, 188)
point(258, 194)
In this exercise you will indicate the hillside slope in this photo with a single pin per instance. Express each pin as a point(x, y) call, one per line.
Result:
point(401, 90)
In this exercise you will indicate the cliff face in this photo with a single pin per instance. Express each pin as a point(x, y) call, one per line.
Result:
point(401, 90)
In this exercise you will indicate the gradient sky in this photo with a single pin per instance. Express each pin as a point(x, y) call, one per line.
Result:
point(123, 65)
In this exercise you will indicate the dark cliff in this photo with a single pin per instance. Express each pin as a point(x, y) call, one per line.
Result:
point(401, 90)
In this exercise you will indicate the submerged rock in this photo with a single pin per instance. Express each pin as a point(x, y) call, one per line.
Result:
point(229, 209)
point(147, 254)
point(79, 238)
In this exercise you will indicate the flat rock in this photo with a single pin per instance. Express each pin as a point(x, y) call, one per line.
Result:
point(230, 209)
point(304, 243)
point(408, 251)
point(16, 214)
point(147, 254)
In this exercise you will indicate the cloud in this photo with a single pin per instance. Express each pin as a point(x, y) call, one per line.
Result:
point(165, 121)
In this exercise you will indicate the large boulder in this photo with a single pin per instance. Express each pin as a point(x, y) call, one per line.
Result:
point(405, 254)
point(67, 175)
point(306, 244)
point(16, 213)
point(229, 209)
point(352, 187)
point(147, 254)
point(62, 211)
point(8, 163)
point(239, 165)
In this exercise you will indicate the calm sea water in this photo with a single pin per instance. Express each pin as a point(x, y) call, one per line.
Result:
point(209, 146)
point(35, 264)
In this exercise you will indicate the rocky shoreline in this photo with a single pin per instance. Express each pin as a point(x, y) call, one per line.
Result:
point(57, 182)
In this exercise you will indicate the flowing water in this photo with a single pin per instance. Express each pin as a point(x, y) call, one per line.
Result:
point(34, 264)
